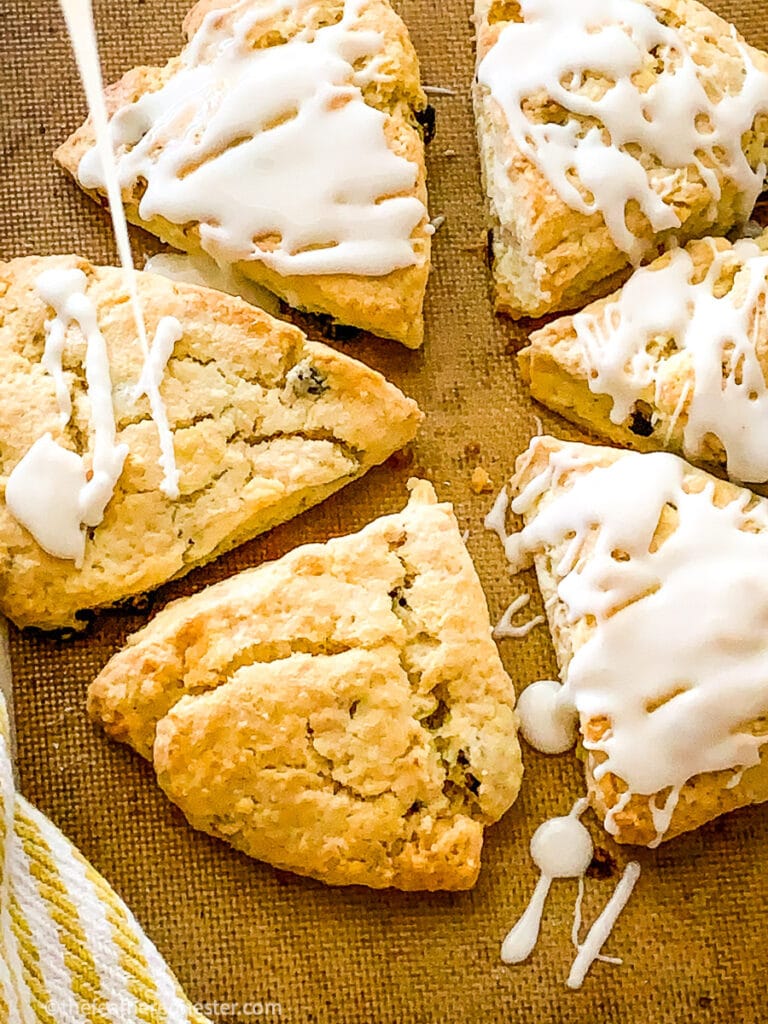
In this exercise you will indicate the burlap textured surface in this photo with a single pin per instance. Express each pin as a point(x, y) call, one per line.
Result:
point(259, 943)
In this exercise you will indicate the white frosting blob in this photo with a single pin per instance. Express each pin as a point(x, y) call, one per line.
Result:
point(49, 477)
point(591, 157)
point(272, 144)
point(562, 847)
point(720, 337)
point(546, 722)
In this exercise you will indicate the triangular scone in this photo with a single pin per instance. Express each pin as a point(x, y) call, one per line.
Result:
point(264, 424)
point(609, 130)
point(342, 712)
point(675, 360)
point(284, 140)
point(653, 575)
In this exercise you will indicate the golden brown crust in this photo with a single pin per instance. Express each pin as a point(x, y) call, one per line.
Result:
point(254, 443)
point(554, 365)
point(549, 257)
point(391, 305)
point(342, 712)
point(703, 797)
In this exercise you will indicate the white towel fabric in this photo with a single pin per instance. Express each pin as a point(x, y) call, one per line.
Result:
point(71, 952)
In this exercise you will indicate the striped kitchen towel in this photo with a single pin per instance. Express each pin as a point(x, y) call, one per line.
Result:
point(71, 952)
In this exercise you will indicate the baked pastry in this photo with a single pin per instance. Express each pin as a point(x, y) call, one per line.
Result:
point(609, 131)
point(226, 150)
point(249, 424)
point(653, 577)
point(342, 712)
point(676, 359)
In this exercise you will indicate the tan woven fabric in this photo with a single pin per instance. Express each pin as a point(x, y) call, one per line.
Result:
point(236, 931)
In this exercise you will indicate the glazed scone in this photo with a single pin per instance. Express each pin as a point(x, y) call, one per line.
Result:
point(342, 712)
point(226, 150)
point(676, 359)
point(262, 424)
point(609, 131)
point(653, 577)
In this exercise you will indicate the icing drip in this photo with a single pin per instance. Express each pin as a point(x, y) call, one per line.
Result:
point(238, 141)
point(589, 58)
point(169, 331)
point(52, 491)
point(79, 18)
point(496, 520)
point(716, 334)
point(560, 848)
point(504, 628)
point(547, 722)
point(50, 477)
point(589, 950)
point(641, 548)
point(203, 271)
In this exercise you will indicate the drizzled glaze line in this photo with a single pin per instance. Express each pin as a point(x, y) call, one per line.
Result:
point(589, 949)
point(504, 629)
point(659, 660)
point(169, 331)
point(717, 336)
point(562, 847)
point(51, 491)
point(78, 15)
point(237, 142)
point(591, 159)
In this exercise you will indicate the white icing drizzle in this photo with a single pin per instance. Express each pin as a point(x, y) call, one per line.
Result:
point(50, 471)
point(52, 491)
point(576, 928)
point(591, 158)
point(496, 520)
point(79, 18)
point(717, 336)
point(168, 332)
point(205, 272)
point(504, 630)
point(672, 674)
point(237, 140)
point(589, 950)
point(562, 848)
point(547, 721)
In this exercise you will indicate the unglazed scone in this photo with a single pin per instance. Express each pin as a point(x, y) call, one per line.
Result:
point(262, 422)
point(342, 712)
point(226, 150)
point(608, 131)
point(675, 360)
point(653, 577)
